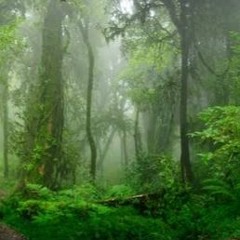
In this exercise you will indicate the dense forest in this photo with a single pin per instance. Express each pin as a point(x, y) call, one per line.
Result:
point(120, 119)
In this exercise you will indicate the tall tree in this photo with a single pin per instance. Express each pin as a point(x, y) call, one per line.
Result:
point(184, 30)
point(5, 129)
point(180, 13)
point(8, 26)
point(43, 157)
point(85, 34)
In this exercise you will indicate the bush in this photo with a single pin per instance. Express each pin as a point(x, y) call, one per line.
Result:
point(220, 142)
point(66, 215)
point(151, 173)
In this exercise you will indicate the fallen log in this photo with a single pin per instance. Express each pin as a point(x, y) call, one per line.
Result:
point(145, 203)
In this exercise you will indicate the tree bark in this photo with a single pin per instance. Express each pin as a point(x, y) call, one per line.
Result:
point(182, 23)
point(52, 95)
point(5, 130)
point(187, 175)
point(137, 136)
point(103, 154)
point(43, 160)
point(124, 146)
point(85, 34)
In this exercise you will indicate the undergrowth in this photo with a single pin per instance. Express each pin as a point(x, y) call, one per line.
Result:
point(42, 214)
point(69, 214)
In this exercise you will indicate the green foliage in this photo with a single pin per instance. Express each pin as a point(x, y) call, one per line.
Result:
point(147, 77)
point(219, 189)
point(119, 191)
point(201, 218)
point(221, 140)
point(10, 44)
point(7, 36)
point(152, 173)
point(34, 191)
point(65, 215)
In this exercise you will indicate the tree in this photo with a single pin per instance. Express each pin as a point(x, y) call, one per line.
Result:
point(181, 17)
point(151, 84)
point(219, 143)
point(180, 13)
point(43, 160)
point(9, 43)
point(85, 35)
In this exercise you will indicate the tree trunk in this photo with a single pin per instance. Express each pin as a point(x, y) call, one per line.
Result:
point(52, 95)
point(85, 35)
point(124, 146)
point(43, 160)
point(187, 175)
point(137, 136)
point(182, 23)
point(103, 153)
point(5, 130)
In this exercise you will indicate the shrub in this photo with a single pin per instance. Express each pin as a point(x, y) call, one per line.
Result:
point(66, 215)
point(151, 173)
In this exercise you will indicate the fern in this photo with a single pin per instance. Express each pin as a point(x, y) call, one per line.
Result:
point(217, 187)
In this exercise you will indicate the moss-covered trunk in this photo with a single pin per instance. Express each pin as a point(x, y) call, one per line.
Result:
point(43, 160)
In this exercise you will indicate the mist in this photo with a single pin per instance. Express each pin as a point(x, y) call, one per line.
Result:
point(121, 117)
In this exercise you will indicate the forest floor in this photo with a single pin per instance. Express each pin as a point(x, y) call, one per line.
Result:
point(143, 216)
point(6, 233)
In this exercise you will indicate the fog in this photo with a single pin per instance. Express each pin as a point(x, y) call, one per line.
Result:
point(105, 81)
